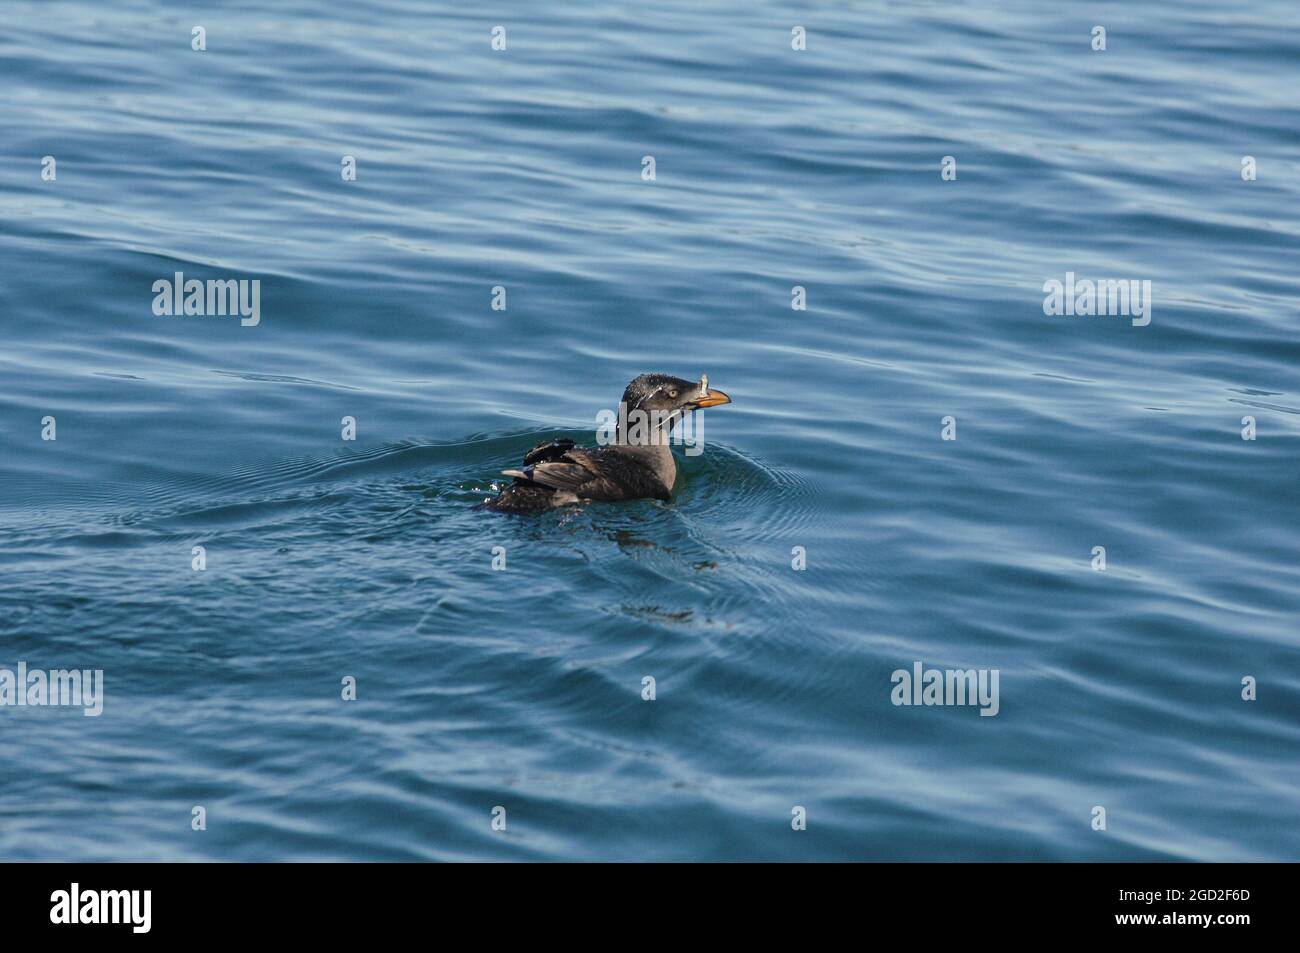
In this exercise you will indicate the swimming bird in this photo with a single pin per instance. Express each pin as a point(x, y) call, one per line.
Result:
point(636, 465)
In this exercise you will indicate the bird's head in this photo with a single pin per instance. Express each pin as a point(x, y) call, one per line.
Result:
point(666, 399)
point(665, 393)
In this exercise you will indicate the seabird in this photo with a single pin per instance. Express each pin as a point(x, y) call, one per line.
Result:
point(637, 465)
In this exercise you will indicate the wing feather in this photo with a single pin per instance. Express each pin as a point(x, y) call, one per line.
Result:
point(560, 474)
point(590, 474)
point(548, 450)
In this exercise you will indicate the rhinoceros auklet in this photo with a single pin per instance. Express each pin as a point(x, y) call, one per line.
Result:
point(637, 465)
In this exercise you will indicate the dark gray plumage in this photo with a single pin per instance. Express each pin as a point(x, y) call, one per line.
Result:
point(638, 465)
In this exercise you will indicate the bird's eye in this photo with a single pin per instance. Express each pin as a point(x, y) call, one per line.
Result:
point(672, 393)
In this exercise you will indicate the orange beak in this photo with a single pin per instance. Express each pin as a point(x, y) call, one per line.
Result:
point(712, 398)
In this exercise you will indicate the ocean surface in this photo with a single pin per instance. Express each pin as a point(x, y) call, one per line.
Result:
point(520, 688)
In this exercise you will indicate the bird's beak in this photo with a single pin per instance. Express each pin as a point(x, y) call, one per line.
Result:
point(711, 398)
point(707, 397)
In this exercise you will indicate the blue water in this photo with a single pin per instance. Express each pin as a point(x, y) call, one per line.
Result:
point(479, 688)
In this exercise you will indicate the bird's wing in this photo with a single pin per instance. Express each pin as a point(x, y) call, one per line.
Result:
point(559, 469)
point(556, 474)
point(594, 475)
point(548, 450)
point(613, 476)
